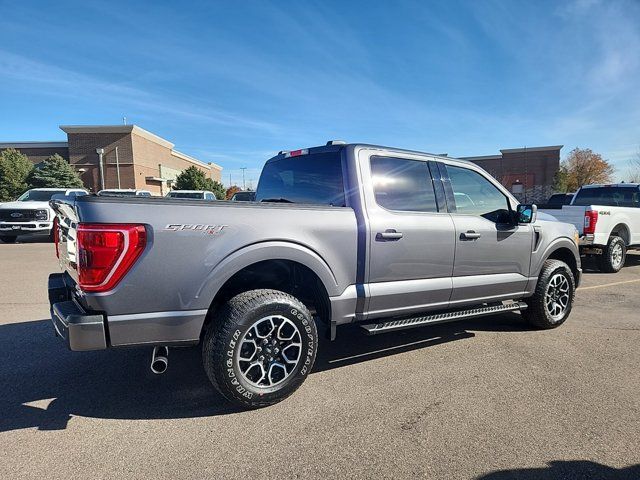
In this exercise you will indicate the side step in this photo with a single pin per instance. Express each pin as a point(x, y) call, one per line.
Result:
point(393, 325)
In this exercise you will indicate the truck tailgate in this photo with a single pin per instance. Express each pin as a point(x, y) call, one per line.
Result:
point(65, 231)
point(569, 214)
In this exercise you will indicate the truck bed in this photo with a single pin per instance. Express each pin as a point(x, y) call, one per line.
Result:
point(568, 214)
point(194, 246)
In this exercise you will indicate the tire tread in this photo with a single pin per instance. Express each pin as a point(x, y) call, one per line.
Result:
point(233, 311)
point(535, 313)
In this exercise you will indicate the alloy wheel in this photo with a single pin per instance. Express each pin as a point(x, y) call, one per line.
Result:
point(557, 296)
point(269, 351)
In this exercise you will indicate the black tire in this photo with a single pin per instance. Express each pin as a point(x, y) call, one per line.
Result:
point(234, 330)
point(8, 239)
point(538, 313)
point(613, 256)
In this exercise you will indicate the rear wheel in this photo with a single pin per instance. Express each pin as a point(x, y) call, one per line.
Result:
point(613, 256)
point(260, 348)
point(8, 239)
point(551, 303)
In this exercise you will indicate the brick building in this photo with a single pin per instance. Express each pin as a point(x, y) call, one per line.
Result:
point(527, 172)
point(131, 157)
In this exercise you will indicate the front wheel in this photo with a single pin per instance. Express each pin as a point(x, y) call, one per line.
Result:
point(8, 239)
point(551, 303)
point(613, 256)
point(260, 348)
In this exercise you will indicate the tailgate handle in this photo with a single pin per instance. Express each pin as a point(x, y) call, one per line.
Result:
point(469, 235)
point(389, 234)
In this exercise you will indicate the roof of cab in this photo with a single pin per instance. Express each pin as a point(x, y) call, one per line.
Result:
point(337, 145)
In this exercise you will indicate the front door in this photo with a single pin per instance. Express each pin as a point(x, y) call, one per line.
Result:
point(411, 237)
point(492, 255)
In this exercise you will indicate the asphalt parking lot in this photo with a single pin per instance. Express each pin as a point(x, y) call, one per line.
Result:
point(485, 399)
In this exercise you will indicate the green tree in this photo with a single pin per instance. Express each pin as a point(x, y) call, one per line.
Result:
point(217, 188)
point(193, 178)
point(14, 169)
point(55, 172)
point(561, 180)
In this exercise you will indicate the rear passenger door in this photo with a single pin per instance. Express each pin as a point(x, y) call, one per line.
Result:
point(411, 237)
point(492, 254)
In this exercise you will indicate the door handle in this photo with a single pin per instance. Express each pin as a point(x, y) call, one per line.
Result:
point(469, 235)
point(389, 234)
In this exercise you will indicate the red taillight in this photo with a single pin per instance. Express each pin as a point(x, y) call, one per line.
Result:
point(590, 220)
point(56, 235)
point(106, 252)
point(296, 153)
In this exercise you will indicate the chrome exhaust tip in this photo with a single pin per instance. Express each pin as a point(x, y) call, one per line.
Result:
point(160, 360)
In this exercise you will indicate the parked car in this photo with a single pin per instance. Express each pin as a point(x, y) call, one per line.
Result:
point(31, 214)
point(608, 220)
point(192, 194)
point(557, 200)
point(245, 196)
point(338, 234)
point(124, 192)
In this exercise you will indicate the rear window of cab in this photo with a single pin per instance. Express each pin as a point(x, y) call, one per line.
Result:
point(314, 179)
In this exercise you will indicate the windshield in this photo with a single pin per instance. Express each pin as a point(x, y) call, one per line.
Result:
point(313, 179)
point(185, 195)
point(38, 195)
point(609, 196)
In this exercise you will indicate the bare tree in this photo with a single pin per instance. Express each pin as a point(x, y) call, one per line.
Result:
point(634, 168)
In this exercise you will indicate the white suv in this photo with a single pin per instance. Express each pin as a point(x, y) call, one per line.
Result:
point(30, 214)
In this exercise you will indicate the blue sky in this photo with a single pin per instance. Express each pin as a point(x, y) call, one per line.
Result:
point(234, 82)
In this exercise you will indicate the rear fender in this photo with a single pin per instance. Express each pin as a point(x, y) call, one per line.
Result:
point(258, 252)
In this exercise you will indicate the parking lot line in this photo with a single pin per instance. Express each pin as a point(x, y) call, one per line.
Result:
point(610, 284)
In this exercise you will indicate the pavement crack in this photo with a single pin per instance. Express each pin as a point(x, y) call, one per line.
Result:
point(418, 417)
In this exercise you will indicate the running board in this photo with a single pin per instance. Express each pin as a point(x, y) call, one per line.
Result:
point(393, 325)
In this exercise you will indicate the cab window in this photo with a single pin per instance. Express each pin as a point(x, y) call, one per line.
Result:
point(475, 195)
point(403, 185)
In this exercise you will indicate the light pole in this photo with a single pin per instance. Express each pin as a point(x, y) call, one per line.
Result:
point(100, 152)
point(244, 185)
point(117, 167)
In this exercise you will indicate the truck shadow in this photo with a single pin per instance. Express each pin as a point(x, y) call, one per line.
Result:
point(590, 264)
point(558, 469)
point(44, 384)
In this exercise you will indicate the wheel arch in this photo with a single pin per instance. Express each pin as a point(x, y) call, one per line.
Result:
point(290, 268)
point(563, 249)
point(622, 230)
point(565, 255)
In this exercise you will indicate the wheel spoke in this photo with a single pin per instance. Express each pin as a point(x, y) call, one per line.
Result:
point(557, 296)
point(253, 348)
point(269, 351)
point(291, 358)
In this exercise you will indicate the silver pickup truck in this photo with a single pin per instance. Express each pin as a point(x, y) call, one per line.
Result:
point(343, 233)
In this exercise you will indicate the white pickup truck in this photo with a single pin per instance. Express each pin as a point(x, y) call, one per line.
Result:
point(31, 214)
point(608, 220)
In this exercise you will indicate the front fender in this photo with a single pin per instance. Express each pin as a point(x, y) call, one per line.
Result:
point(270, 250)
point(556, 244)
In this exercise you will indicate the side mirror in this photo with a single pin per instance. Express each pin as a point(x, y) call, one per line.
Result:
point(526, 213)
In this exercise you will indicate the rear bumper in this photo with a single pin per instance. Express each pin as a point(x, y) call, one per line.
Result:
point(80, 330)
